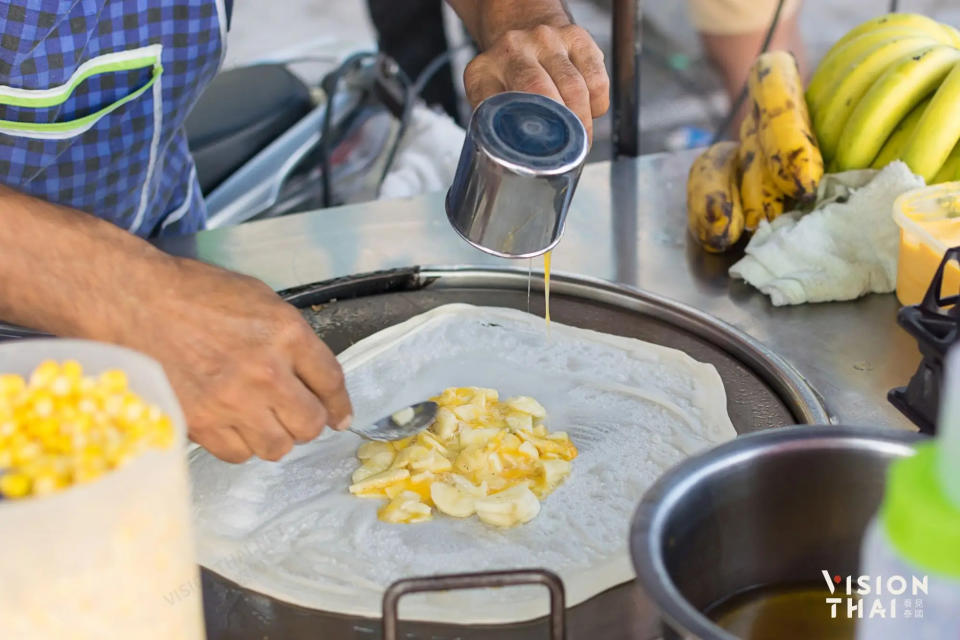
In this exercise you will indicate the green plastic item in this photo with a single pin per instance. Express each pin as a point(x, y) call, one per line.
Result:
point(679, 61)
point(922, 524)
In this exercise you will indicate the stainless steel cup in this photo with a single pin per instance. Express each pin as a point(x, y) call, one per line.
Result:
point(770, 508)
point(518, 169)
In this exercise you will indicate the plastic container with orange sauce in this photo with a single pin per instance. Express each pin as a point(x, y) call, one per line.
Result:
point(929, 221)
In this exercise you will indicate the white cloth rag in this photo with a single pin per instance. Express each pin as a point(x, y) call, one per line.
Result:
point(427, 157)
point(845, 248)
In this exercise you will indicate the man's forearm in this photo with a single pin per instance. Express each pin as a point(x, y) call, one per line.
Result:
point(487, 20)
point(70, 273)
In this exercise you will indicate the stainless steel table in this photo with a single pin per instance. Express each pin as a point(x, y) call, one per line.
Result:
point(627, 225)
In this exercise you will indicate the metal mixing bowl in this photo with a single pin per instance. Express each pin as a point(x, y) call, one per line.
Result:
point(769, 508)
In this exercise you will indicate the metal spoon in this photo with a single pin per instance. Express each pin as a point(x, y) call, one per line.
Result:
point(400, 424)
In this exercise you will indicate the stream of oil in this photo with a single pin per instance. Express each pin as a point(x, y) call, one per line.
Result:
point(546, 287)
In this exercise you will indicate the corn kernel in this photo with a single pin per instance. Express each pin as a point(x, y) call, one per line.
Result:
point(64, 428)
point(72, 370)
point(113, 381)
point(42, 404)
point(11, 385)
point(14, 485)
point(7, 428)
point(44, 373)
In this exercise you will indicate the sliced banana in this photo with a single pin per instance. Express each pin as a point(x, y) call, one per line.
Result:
point(561, 448)
point(527, 405)
point(406, 457)
point(480, 456)
point(428, 440)
point(513, 506)
point(406, 508)
point(466, 412)
point(373, 465)
point(495, 462)
point(466, 486)
point(424, 476)
point(375, 484)
point(511, 441)
point(520, 421)
point(554, 471)
point(471, 460)
point(403, 416)
point(399, 445)
point(434, 462)
point(480, 436)
point(451, 500)
point(445, 424)
point(529, 450)
point(369, 449)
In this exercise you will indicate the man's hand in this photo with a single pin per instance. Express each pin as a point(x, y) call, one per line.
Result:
point(249, 372)
point(251, 375)
point(533, 46)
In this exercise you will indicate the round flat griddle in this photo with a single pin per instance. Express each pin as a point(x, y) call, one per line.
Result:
point(763, 391)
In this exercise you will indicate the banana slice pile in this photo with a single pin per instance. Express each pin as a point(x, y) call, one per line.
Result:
point(482, 457)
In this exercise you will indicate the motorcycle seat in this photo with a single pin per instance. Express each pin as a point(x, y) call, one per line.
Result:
point(240, 113)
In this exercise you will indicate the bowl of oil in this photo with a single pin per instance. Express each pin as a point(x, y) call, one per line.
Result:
point(744, 540)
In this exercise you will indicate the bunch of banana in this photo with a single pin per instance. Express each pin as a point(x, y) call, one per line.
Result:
point(732, 187)
point(888, 90)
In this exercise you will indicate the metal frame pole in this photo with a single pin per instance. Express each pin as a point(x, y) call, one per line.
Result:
point(626, 77)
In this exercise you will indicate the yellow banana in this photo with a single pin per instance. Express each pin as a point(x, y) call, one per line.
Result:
point(836, 66)
point(783, 126)
point(938, 131)
point(915, 21)
point(888, 101)
point(952, 33)
point(835, 109)
point(950, 170)
point(898, 139)
point(714, 214)
point(759, 196)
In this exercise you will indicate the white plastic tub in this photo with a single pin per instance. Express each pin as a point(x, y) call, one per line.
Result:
point(113, 558)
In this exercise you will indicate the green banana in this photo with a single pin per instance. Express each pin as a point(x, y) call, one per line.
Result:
point(950, 170)
point(898, 139)
point(887, 102)
point(836, 66)
point(910, 20)
point(844, 96)
point(938, 131)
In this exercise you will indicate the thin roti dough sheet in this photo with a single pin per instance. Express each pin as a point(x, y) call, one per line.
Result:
point(292, 530)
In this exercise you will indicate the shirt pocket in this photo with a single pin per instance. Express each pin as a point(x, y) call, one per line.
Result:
point(91, 142)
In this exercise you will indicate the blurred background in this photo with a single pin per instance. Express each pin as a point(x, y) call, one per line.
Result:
point(682, 100)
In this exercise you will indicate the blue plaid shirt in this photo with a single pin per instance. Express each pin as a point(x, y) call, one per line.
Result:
point(93, 97)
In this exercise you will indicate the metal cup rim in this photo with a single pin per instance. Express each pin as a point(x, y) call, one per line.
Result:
point(647, 526)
